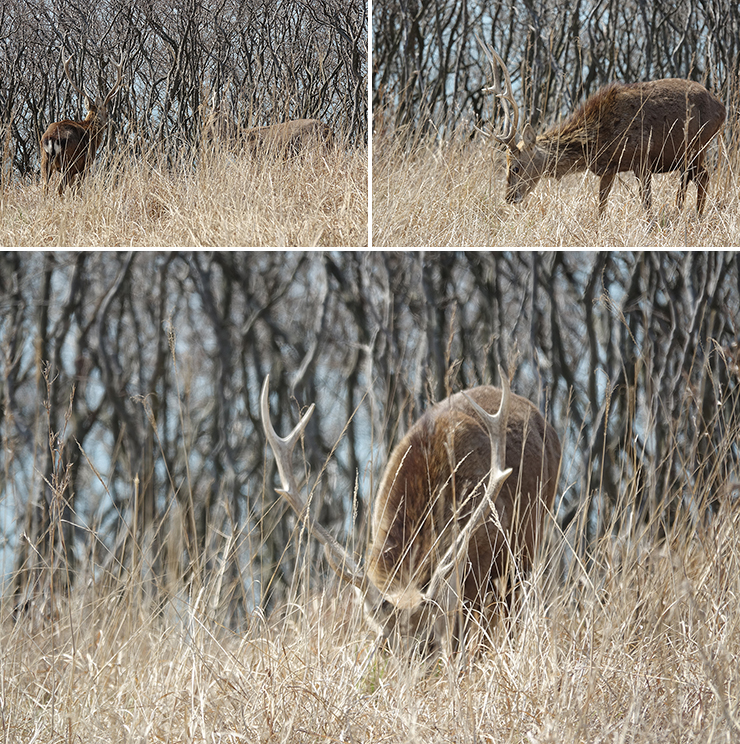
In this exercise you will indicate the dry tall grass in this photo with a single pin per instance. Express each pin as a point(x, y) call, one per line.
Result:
point(221, 199)
point(452, 194)
point(639, 644)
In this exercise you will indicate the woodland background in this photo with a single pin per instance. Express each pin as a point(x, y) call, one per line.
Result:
point(261, 62)
point(132, 448)
point(428, 70)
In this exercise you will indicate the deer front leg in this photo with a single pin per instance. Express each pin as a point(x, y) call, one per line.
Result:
point(646, 189)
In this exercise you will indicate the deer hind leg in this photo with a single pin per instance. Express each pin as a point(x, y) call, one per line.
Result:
point(697, 173)
point(70, 179)
point(64, 177)
point(701, 177)
point(76, 179)
point(682, 185)
point(74, 172)
point(49, 163)
point(605, 186)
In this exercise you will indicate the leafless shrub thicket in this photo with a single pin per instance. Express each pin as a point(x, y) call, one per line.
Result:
point(429, 70)
point(261, 62)
point(150, 366)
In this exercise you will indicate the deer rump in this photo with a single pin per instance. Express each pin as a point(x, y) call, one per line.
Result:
point(67, 146)
point(433, 483)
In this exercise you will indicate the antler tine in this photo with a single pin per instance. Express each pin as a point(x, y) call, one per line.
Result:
point(496, 425)
point(282, 447)
point(119, 80)
point(505, 95)
point(71, 81)
point(507, 100)
point(455, 555)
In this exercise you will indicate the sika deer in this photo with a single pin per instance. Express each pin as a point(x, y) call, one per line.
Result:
point(652, 127)
point(70, 146)
point(457, 515)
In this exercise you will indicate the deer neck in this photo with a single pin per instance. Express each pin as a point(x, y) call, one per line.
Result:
point(96, 118)
point(95, 123)
point(562, 154)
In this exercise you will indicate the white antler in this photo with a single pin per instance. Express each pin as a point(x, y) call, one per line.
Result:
point(339, 559)
point(72, 82)
point(505, 95)
point(81, 91)
point(442, 591)
point(119, 81)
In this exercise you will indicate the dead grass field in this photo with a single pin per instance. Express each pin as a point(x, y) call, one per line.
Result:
point(641, 647)
point(453, 195)
point(225, 199)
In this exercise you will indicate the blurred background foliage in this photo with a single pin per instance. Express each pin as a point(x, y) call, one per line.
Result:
point(131, 439)
point(429, 72)
point(258, 62)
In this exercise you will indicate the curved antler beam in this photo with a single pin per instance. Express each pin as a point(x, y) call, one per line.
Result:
point(505, 94)
point(282, 447)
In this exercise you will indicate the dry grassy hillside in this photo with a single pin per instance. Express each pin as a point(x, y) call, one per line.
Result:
point(639, 646)
point(453, 195)
point(226, 199)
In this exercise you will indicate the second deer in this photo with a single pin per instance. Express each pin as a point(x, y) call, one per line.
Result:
point(651, 127)
point(286, 139)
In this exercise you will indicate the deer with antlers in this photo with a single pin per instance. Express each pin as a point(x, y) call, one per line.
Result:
point(69, 147)
point(456, 518)
point(652, 127)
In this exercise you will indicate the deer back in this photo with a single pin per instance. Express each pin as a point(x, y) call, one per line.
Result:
point(287, 138)
point(435, 478)
point(661, 124)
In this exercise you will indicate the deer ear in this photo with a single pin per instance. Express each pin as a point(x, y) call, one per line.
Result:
point(528, 136)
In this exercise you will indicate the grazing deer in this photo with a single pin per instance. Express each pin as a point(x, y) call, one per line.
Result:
point(286, 139)
point(70, 146)
point(652, 127)
point(289, 138)
point(457, 515)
